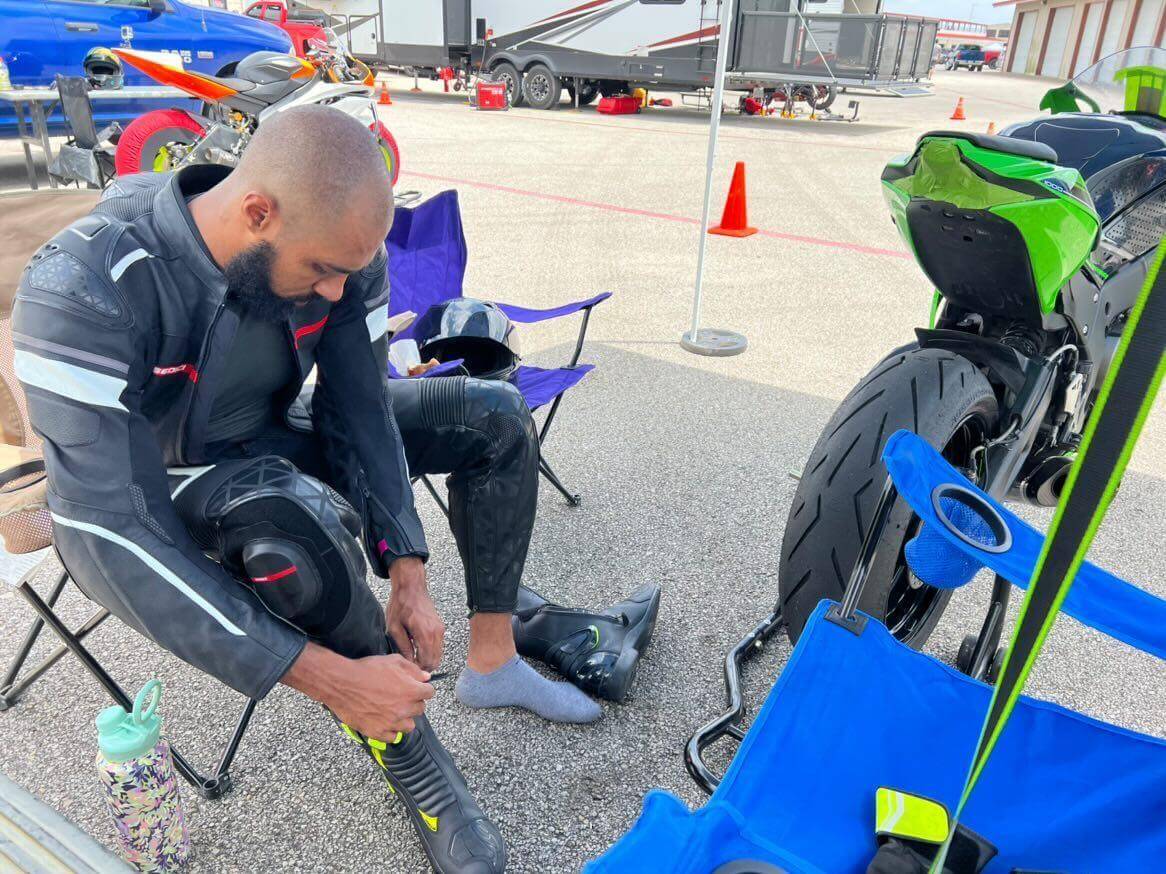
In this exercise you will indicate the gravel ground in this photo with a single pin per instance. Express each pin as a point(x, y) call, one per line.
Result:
point(686, 466)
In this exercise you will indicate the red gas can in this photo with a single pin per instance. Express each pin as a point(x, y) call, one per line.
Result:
point(492, 95)
point(621, 104)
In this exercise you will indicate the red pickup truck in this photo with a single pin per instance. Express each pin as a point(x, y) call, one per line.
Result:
point(300, 26)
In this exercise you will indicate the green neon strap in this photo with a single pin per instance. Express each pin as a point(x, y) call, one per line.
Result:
point(1122, 406)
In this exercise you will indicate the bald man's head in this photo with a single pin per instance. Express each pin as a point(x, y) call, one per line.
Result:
point(310, 202)
point(317, 161)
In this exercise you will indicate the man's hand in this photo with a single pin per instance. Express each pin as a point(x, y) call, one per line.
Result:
point(422, 369)
point(377, 695)
point(412, 620)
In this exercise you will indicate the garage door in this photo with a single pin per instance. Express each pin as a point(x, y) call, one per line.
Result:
point(1146, 27)
point(1113, 26)
point(1057, 41)
point(1023, 43)
point(1090, 30)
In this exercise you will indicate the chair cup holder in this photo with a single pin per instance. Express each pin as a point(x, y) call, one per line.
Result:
point(979, 505)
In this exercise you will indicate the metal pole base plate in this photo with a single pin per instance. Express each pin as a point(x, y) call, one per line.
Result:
point(713, 341)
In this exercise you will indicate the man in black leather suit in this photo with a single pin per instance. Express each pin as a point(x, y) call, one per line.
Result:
point(212, 501)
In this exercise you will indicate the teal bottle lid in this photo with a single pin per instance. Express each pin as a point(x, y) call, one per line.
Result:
point(123, 736)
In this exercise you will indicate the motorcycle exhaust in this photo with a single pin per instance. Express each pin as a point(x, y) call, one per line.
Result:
point(1044, 485)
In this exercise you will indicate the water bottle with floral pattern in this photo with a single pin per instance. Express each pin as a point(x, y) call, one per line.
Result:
point(141, 788)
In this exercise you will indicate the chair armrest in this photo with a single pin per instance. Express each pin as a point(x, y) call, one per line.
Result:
point(527, 315)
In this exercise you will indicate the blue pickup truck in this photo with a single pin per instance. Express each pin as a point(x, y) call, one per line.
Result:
point(40, 38)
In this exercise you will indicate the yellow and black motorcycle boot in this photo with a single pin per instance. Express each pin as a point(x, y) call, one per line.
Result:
point(598, 652)
point(456, 835)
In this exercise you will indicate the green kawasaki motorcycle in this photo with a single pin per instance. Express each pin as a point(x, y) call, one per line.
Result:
point(1037, 242)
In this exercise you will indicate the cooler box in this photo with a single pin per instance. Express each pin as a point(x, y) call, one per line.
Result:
point(623, 104)
point(492, 95)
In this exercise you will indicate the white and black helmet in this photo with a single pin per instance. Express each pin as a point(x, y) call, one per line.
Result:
point(476, 331)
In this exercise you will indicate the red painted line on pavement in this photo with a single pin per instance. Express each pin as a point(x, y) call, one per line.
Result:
point(644, 213)
point(724, 135)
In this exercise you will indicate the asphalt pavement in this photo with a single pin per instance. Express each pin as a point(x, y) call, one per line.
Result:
point(686, 466)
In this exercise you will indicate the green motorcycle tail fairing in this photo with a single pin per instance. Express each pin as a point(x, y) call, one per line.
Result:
point(998, 233)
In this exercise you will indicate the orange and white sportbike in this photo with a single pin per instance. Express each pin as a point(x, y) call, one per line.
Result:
point(260, 86)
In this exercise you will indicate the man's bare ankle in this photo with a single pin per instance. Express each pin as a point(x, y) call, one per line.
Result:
point(491, 642)
point(489, 659)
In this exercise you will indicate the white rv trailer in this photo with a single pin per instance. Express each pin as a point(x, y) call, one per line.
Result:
point(540, 47)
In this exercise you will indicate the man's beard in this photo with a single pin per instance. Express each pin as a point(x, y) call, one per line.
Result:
point(248, 277)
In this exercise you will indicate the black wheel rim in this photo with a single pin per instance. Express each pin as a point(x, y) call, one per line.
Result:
point(910, 602)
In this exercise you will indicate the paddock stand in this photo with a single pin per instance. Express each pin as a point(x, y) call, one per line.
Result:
point(980, 654)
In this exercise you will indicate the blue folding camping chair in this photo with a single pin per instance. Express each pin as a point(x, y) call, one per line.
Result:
point(855, 711)
point(427, 265)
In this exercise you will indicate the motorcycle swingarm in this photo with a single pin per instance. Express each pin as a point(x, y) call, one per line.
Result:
point(1030, 383)
point(217, 146)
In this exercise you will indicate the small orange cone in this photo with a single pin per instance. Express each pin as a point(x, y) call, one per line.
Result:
point(385, 99)
point(958, 115)
point(734, 221)
point(991, 128)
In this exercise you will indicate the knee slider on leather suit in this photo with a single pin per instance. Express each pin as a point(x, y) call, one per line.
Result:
point(294, 540)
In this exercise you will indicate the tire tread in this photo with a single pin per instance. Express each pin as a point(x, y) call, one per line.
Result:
point(912, 388)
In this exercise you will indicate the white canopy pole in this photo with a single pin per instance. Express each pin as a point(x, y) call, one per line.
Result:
point(711, 341)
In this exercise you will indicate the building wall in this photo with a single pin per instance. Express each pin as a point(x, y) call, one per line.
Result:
point(1113, 31)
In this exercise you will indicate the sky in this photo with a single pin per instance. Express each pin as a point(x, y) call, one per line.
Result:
point(980, 10)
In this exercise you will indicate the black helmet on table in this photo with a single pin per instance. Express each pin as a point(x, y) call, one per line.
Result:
point(103, 68)
point(476, 331)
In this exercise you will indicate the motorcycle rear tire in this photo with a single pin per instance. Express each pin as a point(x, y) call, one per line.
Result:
point(141, 142)
point(940, 396)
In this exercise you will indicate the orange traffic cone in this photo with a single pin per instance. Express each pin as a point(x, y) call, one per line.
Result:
point(385, 99)
point(734, 221)
point(958, 115)
point(991, 128)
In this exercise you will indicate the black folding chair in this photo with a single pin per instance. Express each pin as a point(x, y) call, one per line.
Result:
point(88, 155)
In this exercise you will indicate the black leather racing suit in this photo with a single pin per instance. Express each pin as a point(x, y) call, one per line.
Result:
point(122, 329)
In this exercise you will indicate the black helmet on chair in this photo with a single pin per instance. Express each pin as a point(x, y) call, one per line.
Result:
point(476, 331)
point(103, 68)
